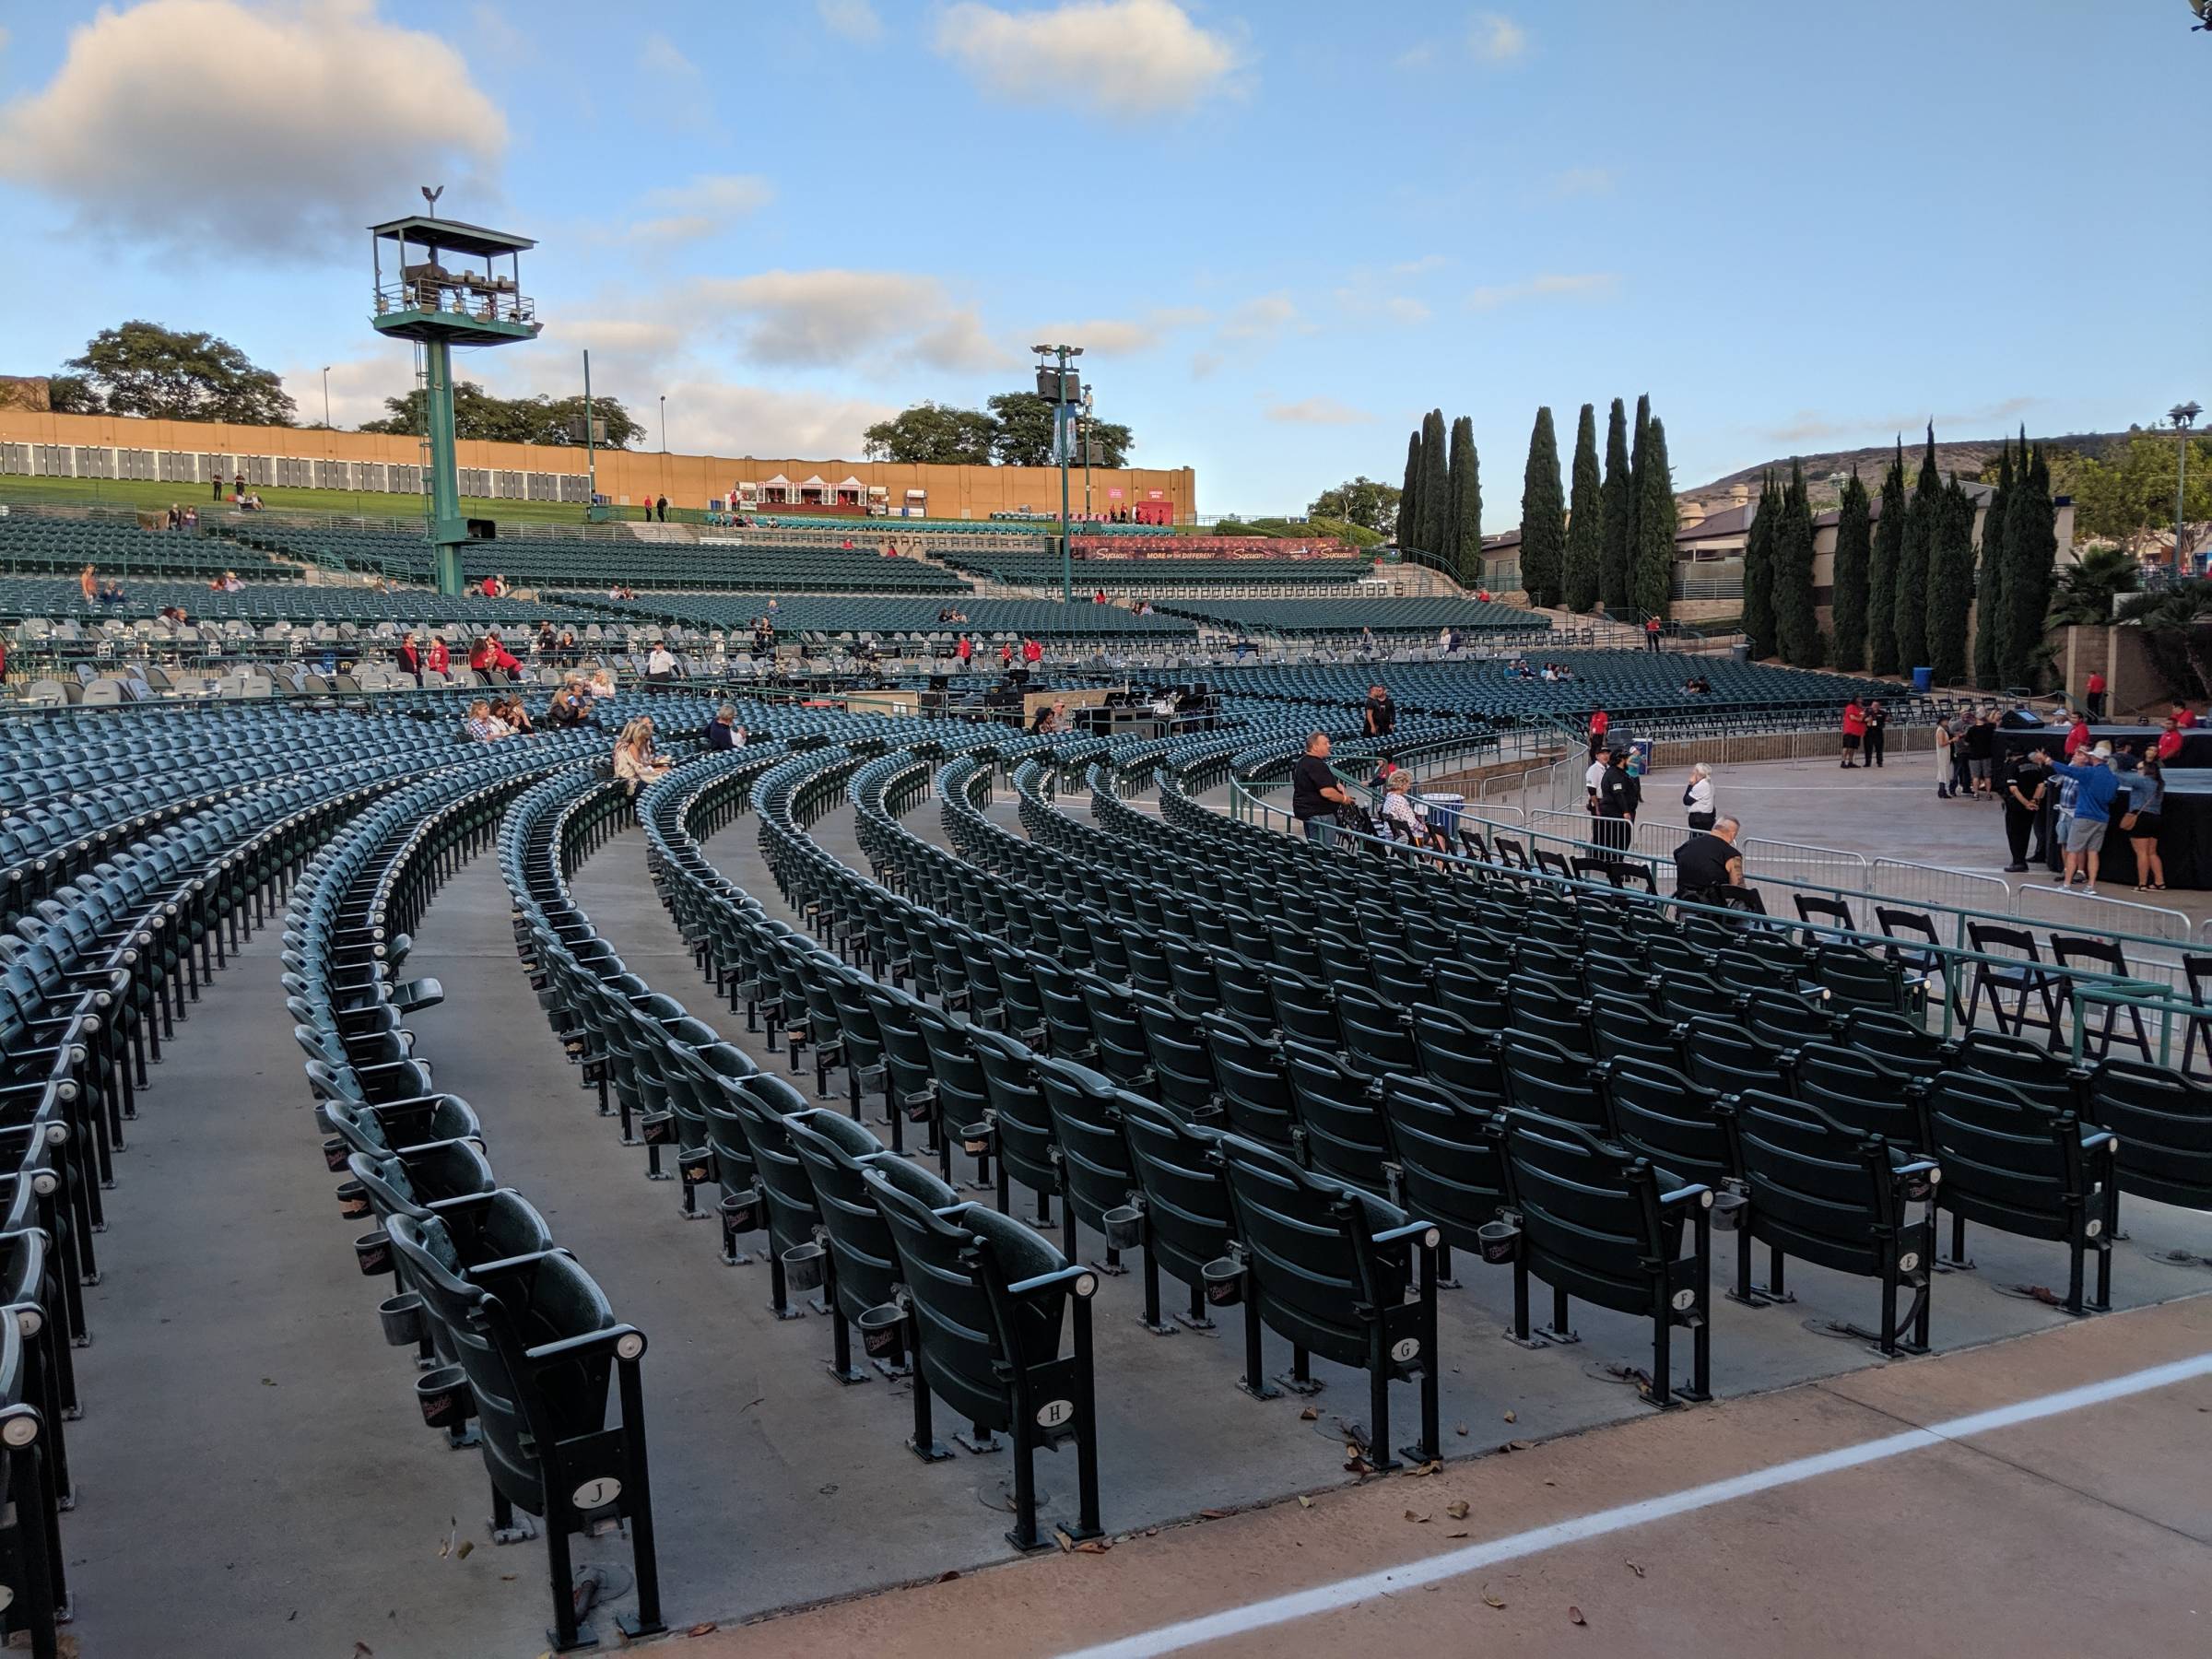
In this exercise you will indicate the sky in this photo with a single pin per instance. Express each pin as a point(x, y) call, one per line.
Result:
point(1281, 231)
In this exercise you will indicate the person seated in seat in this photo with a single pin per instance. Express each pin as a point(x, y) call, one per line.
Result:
point(1050, 721)
point(722, 731)
point(569, 707)
point(1707, 862)
point(601, 686)
point(1402, 817)
point(511, 711)
point(111, 592)
point(635, 763)
point(482, 725)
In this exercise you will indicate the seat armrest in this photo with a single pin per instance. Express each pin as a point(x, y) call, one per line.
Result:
point(1073, 1277)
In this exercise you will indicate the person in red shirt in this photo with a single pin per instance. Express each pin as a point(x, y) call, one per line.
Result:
point(1854, 729)
point(1651, 632)
point(1006, 654)
point(1031, 653)
point(439, 658)
point(2182, 716)
point(2096, 695)
point(1599, 724)
point(2078, 736)
point(2169, 742)
point(964, 650)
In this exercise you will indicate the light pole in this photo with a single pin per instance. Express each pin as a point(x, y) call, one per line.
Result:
point(326, 397)
point(1089, 421)
point(663, 423)
point(2183, 417)
point(1052, 381)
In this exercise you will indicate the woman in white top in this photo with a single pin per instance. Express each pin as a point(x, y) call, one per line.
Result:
point(1400, 815)
point(1943, 759)
point(1697, 798)
point(602, 685)
point(635, 763)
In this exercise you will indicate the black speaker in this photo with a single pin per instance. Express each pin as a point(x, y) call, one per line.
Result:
point(483, 529)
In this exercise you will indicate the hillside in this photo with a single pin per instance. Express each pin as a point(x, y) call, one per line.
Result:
point(1966, 457)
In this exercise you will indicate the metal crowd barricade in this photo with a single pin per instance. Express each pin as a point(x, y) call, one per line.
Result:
point(1906, 882)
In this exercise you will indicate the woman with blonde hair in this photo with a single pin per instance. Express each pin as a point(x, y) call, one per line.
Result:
point(635, 763)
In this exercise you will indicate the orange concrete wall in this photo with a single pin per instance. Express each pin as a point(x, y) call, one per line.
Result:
point(626, 475)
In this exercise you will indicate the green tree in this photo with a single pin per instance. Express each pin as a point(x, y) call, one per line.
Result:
point(932, 434)
point(1023, 434)
point(1656, 526)
point(1881, 570)
point(176, 374)
point(1797, 627)
point(2087, 589)
point(1639, 440)
point(1855, 550)
point(1619, 555)
point(1950, 585)
point(2176, 625)
point(1436, 485)
point(1758, 572)
point(1361, 501)
point(1409, 496)
point(1465, 514)
point(2128, 494)
point(1909, 615)
point(2031, 539)
point(480, 417)
point(1543, 516)
point(72, 395)
point(1989, 581)
point(1585, 519)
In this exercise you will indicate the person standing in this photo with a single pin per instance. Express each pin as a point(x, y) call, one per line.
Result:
point(1878, 725)
point(965, 651)
point(1697, 800)
point(2024, 787)
point(2078, 736)
point(1032, 652)
point(1378, 719)
point(1314, 793)
point(1944, 741)
point(2140, 821)
point(2096, 695)
point(1854, 732)
point(1600, 722)
point(1981, 743)
point(410, 658)
point(2095, 785)
point(2169, 741)
point(1617, 800)
point(1651, 635)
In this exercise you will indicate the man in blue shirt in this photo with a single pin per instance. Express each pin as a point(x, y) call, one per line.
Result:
point(2095, 785)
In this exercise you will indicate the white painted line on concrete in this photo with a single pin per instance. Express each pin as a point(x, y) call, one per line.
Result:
point(1326, 1598)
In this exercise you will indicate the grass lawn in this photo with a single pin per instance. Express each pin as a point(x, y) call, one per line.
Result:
point(111, 492)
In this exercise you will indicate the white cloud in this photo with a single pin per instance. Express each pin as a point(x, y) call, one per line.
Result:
point(1497, 39)
point(1261, 318)
point(801, 319)
point(1585, 181)
point(704, 206)
point(1124, 57)
point(1203, 363)
point(1125, 336)
point(716, 419)
point(1596, 285)
point(498, 38)
point(1395, 307)
point(1421, 267)
point(1417, 57)
point(855, 19)
point(149, 132)
point(357, 387)
point(1318, 411)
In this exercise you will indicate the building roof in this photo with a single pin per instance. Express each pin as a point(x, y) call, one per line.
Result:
point(452, 235)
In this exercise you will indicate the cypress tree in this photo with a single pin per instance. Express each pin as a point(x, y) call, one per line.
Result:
point(1989, 582)
point(1617, 549)
point(1436, 485)
point(1797, 628)
point(1585, 519)
point(1922, 520)
point(1640, 436)
point(1881, 570)
point(1467, 503)
point(1950, 583)
point(1854, 544)
point(2030, 532)
point(1656, 526)
point(1758, 572)
point(1409, 497)
point(1543, 516)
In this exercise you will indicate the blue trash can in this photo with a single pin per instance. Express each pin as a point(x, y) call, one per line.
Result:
point(1923, 679)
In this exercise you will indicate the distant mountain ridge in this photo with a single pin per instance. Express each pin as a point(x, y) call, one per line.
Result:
point(1966, 457)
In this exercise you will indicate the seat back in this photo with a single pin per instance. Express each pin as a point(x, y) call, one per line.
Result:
point(1446, 1148)
point(837, 1152)
point(1589, 1212)
point(1186, 1195)
point(2164, 1119)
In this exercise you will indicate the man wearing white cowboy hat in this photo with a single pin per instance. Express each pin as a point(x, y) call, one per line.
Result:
point(2095, 786)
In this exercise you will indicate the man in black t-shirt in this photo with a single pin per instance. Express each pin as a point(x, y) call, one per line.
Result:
point(1618, 795)
point(1381, 713)
point(1980, 740)
point(1314, 793)
point(1707, 862)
